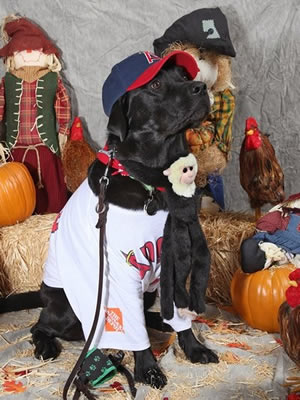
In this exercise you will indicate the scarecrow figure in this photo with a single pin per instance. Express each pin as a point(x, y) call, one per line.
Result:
point(277, 238)
point(204, 33)
point(33, 101)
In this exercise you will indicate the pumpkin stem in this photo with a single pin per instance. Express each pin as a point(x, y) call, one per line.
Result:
point(4, 153)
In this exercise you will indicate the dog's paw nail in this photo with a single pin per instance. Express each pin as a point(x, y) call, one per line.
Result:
point(214, 358)
point(155, 378)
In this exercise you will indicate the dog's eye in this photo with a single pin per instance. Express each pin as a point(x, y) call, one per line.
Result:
point(155, 84)
point(185, 170)
point(185, 77)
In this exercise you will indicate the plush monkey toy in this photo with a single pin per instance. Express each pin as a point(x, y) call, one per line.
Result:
point(184, 248)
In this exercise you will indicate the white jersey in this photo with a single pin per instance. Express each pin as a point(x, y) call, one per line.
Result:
point(131, 267)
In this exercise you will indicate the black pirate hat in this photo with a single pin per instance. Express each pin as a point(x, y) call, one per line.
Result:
point(206, 28)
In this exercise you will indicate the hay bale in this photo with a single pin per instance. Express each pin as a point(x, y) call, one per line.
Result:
point(24, 247)
point(224, 233)
point(23, 250)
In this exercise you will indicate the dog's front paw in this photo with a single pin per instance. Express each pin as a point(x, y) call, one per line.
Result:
point(45, 346)
point(147, 370)
point(194, 350)
point(155, 378)
point(152, 376)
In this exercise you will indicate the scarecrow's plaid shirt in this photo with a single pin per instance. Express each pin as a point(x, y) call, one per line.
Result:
point(218, 126)
point(28, 133)
point(222, 115)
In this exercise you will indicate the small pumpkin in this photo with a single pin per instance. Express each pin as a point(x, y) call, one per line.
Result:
point(17, 192)
point(257, 297)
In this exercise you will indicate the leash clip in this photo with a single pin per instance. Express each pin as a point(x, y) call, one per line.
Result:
point(101, 207)
point(110, 154)
point(148, 201)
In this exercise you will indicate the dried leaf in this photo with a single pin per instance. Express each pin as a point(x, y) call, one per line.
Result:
point(201, 320)
point(239, 345)
point(230, 357)
point(118, 386)
point(112, 388)
point(13, 387)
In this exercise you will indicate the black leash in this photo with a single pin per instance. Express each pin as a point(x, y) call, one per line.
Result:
point(102, 212)
point(78, 375)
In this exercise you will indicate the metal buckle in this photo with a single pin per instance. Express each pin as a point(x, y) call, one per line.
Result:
point(148, 202)
point(104, 182)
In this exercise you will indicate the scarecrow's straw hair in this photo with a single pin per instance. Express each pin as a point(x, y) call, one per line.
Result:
point(3, 34)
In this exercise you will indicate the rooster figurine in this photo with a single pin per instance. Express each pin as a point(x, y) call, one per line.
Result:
point(289, 318)
point(76, 157)
point(260, 173)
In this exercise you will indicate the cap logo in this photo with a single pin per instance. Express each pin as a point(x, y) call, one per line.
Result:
point(150, 57)
point(209, 26)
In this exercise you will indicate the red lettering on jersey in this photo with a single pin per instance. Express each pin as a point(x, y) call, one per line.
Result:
point(148, 251)
point(158, 248)
point(55, 223)
point(143, 268)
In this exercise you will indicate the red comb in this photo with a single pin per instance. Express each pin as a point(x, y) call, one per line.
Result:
point(251, 123)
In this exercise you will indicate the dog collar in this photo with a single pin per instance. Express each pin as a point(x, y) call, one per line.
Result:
point(104, 156)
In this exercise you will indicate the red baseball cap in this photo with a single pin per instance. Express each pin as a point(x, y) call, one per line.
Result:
point(137, 70)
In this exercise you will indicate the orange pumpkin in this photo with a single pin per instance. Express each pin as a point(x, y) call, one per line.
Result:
point(257, 297)
point(17, 193)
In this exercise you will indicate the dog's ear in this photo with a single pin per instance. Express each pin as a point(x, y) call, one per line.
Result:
point(118, 122)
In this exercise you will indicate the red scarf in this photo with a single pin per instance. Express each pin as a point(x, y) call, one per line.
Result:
point(115, 164)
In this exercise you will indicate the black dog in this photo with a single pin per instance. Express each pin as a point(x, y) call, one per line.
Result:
point(146, 130)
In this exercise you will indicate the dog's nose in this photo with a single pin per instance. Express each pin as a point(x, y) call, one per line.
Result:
point(199, 88)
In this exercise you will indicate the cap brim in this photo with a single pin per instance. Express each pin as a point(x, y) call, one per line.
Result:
point(180, 58)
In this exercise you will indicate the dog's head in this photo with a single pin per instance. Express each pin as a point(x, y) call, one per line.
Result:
point(148, 117)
